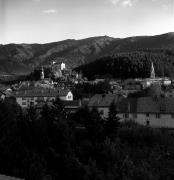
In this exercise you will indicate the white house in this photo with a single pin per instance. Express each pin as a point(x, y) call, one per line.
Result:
point(65, 95)
point(145, 110)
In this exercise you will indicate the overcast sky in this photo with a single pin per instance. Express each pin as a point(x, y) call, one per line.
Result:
point(41, 21)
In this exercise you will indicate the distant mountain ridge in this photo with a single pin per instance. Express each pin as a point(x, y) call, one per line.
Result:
point(22, 58)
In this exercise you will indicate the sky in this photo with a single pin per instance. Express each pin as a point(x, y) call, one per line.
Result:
point(43, 21)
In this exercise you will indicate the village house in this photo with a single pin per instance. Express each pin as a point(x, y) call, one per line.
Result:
point(143, 110)
point(102, 102)
point(26, 98)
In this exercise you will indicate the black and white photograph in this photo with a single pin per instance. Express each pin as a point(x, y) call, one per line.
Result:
point(86, 89)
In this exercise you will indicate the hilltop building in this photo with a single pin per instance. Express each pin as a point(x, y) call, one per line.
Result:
point(63, 67)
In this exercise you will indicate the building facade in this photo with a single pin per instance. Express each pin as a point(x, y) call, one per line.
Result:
point(144, 110)
point(34, 97)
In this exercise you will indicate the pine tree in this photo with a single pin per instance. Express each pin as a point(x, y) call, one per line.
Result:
point(112, 122)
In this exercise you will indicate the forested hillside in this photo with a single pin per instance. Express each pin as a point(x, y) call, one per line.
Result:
point(135, 64)
point(22, 58)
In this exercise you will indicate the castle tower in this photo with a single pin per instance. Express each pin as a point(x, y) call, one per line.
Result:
point(152, 73)
point(62, 66)
point(42, 74)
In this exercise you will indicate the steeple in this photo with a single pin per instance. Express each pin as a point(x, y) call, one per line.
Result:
point(152, 74)
point(42, 74)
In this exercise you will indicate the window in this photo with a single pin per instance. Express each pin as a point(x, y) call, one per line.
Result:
point(147, 114)
point(24, 103)
point(126, 115)
point(23, 98)
point(135, 115)
point(69, 97)
point(172, 116)
point(147, 122)
point(157, 115)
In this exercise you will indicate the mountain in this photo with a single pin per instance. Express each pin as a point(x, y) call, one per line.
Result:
point(22, 58)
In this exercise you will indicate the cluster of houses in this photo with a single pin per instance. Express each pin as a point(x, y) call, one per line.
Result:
point(156, 112)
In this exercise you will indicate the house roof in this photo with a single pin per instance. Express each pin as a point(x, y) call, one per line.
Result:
point(63, 92)
point(147, 104)
point(3, 177)
point(104, 100)
point(151, 105)
point(134, 105)
point(40, 92)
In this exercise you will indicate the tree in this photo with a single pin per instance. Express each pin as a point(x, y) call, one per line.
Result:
point(112, 122)
point(94, 125)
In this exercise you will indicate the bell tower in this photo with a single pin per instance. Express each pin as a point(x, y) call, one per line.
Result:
point(152, 73)
point(42, 74)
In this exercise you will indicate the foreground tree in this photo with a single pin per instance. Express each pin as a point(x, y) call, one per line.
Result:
point(112, 122)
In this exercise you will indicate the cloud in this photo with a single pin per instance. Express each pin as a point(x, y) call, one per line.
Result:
point(50, 11)
point(123, 3)
point(36, 0)
point(115, 2)
point(127, 3)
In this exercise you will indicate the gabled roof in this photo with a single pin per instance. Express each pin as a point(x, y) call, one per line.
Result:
point(134, 105)
point(147, 105)
point(40, 92)
point(3, 177)
point(127, 105)
point(104, 100)
point(151, 105)
point(63, 92)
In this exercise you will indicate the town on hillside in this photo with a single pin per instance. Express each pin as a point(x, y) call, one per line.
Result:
point(147, 101)
point(86, 89)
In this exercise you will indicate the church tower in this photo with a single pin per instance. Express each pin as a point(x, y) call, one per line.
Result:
point(42, 74)
point(152, 73)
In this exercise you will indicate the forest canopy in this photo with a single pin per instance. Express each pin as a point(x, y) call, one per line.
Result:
point(131, 65)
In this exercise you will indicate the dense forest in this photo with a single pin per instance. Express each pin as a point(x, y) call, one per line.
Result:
point(135, 64)
point(50, 144)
